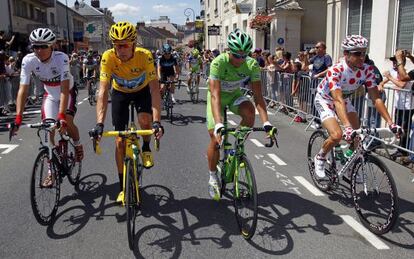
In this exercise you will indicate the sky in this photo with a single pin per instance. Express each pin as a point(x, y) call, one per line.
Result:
point(144, 10)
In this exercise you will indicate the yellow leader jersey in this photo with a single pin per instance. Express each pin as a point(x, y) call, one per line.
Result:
point(130, 76)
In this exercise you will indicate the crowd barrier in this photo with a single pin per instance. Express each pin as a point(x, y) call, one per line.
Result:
point(295, 96)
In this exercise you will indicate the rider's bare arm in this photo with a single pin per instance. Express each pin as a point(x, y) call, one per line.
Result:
point(259, 100)
point(340, 106)
point(64, 96)
point(215, 99)
point(379, 104)
point(102, 103)
point(156, 99)
point(21, 98)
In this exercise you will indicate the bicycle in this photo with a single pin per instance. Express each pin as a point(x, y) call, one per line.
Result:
point(193, 88)
point(234, 167)
point(132, 169)
point(368, 193)
point(167, 99)
point(52, 161)
point(92, 90)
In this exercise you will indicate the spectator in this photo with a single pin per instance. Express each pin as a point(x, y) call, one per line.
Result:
point(287, 66)
point(3, 92)
point(215, 52)
point(303, 59)
point(297, 92)
point(257, 54)
point(4, 44)
point(403, 103)
point(321, 61)
point(75, 68)
point(400, 56)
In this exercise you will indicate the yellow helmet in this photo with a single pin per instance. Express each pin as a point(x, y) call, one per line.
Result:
point(123, 31)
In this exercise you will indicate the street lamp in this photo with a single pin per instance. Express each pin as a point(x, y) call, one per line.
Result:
point(187, 13)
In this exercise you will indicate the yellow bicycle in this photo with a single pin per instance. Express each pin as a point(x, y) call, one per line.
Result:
point(132, 170)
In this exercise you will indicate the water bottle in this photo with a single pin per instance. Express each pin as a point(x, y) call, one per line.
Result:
point(348, 153)
point(228, 150)
point(339, 154)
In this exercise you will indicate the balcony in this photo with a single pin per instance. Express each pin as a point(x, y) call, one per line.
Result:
point(47, 3)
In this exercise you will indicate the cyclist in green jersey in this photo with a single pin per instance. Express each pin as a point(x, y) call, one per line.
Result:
point(195, 65)
point(228, 73)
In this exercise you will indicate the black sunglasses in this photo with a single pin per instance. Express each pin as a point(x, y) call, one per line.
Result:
point(40, 46)
point(358, 53)
point(239, 56)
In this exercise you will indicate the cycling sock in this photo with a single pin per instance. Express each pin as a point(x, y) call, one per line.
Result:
point(321, 154)
point(146, 147)
point(121, 181)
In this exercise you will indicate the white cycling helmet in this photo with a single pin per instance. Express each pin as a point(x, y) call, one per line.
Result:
point(42, 36)
point(352, 42)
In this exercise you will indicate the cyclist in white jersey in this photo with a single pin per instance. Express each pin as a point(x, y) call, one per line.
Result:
point(52, 69)
point(341, 81)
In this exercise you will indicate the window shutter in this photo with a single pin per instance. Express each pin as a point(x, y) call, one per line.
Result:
point(366, 19)
point(405, 29)
point(354, 16)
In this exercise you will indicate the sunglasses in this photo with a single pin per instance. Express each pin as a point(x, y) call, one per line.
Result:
point(358, 53)
point(40, 46)
point(239, 56)
point(122, 45)
point(167, 53)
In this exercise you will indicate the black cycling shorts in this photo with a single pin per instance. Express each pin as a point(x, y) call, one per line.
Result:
point(165, 76)
point(120, 106)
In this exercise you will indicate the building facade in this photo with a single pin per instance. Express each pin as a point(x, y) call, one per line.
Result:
point(387, 24)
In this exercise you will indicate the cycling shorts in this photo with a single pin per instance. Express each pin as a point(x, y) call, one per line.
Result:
point(326, 108)
point(50, 106)
point(120, 106)
point(165, 77)
point(232, 99)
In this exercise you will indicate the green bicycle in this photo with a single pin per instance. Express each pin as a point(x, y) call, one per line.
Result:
point(234, 167)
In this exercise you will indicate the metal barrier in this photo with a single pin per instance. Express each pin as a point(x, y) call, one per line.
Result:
point(295, 96)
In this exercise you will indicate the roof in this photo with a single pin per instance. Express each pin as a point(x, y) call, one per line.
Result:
point(287, 5)
point(143, 32)
point(165, 33)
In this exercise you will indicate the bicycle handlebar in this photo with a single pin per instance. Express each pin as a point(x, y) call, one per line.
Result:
point(47, 124)
point(272, 139)
point(372, 131)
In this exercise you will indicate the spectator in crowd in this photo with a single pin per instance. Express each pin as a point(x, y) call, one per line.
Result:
point(4, 44)
point(403, 103)
point(75, 68)
point(215, 52)
point(297, 92)
point(19, 59)
point(303, 59)
point(321, 61)
point(287, 66)
point(3, 92)
point(400, 56)
point(206, 62)
point(257, 54)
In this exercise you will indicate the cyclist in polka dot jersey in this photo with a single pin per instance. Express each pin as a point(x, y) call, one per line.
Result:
point(332, 98)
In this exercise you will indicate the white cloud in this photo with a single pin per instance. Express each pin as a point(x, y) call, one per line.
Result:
point(124, 9)
point(182, 4)
point(164, 9)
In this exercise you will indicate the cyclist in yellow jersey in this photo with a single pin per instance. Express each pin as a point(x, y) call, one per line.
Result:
point(132, 73)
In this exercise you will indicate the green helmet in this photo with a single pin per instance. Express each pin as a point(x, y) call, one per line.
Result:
point(239, 41)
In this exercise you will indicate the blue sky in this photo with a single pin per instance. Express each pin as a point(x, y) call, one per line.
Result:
point(144, 10)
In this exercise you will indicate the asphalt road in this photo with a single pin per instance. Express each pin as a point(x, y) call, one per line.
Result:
point(178, 219)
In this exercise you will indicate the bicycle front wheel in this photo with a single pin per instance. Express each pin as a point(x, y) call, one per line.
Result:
point(44, 197)
point(314, 146)
point(374, 194)
point(74, 167)
point(245, 198)
point(130, 202)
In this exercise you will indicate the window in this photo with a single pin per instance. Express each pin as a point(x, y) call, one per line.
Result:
point(244, 25)
point(234, 26)
point(226, 31)
point(31, 8)
point(52, 18)
point(20, 8)
point(405, 25)
point(359, 17)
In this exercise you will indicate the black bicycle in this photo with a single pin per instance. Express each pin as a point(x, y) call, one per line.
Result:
point(373, 189)
point(168, 104)
point(51, 165)
point(92, 90)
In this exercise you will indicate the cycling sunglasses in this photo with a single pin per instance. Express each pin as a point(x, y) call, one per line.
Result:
point(122, 45)
point(358, 53)
point(239, 56)
point(43, 46)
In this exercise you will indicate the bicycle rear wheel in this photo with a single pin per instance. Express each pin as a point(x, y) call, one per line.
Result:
point(375, 197)
point(130, 202)
point(314, 146)
point(245, 198)
point(44, 200)
point(192, 91)
point(74, 167)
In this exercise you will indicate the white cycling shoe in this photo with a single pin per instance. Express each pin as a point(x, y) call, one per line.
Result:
point(320, 166)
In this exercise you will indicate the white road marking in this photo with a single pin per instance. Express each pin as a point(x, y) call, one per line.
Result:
point(276, 159)
point(84, 99)
point(309, 186)
point(8, 147)
point(232, 122)
point(256, 142)
point(229, 112)
point(203, 88)
point(268, 112)
point(79, 103)
point(32, 112)
point(369, 236)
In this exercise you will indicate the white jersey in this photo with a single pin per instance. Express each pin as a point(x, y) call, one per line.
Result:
point(51, 73)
